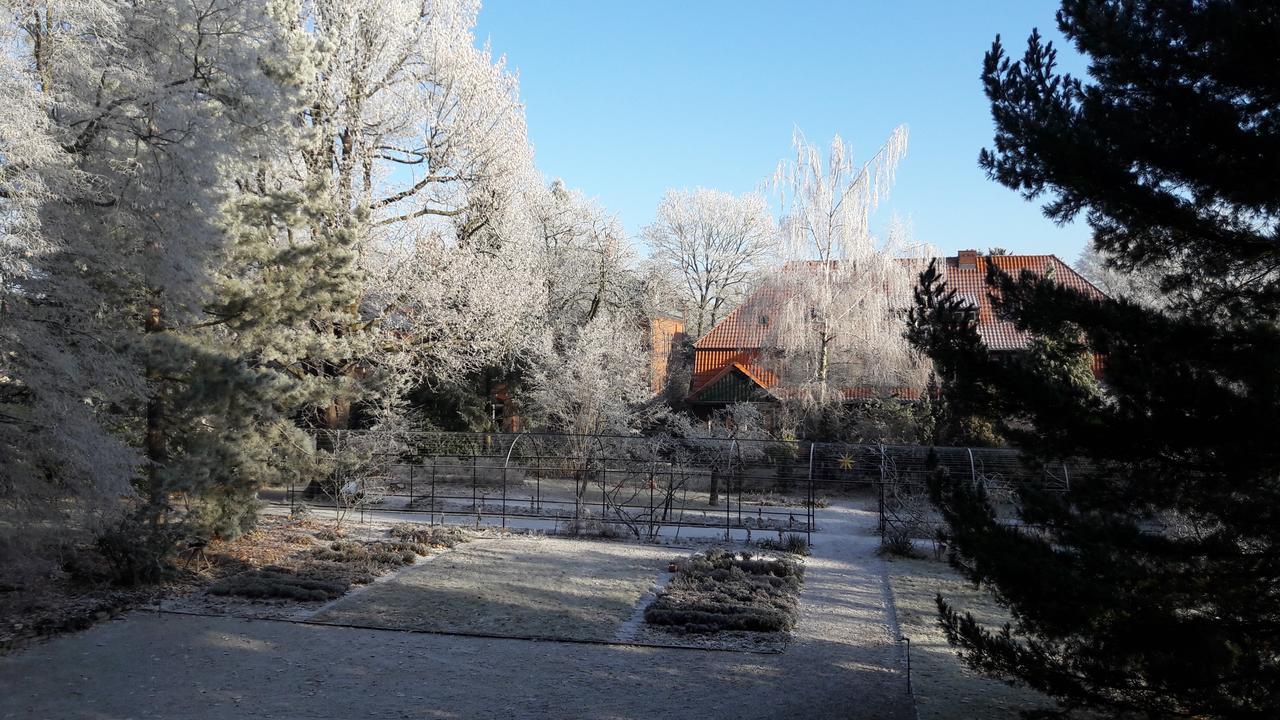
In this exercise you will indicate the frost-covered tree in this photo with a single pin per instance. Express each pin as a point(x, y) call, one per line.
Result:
point(595, 382)
point(1141, 284)
point(61, 465)
point(424, 143)
point(713, 243)
point(165, 121)
point(842, 290)
point(585, 260)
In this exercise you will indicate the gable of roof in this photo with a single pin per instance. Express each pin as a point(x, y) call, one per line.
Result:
point(736, 382)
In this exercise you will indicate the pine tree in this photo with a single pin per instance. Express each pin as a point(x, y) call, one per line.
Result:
point(1152, 585)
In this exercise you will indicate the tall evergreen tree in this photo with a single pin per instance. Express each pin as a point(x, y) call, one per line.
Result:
point(1152, 586)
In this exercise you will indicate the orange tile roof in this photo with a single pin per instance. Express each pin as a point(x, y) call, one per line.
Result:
point(1000, 334)
point(737, 339)
point(747, 327)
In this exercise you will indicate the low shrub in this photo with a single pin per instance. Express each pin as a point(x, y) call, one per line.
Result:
point(135, 552)
point(899, 545)
point(431, 535)
point(387, 554)
point(793, 543)
point(274, 582)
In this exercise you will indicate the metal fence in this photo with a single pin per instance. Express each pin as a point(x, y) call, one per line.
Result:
point(646, 486)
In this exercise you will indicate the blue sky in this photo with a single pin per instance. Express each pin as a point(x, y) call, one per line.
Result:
point(626, 99)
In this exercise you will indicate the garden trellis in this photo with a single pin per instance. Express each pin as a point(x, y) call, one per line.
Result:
point(644, 487)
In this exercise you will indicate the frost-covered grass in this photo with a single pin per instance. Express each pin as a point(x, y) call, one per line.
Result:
point(521, 586)
point(945, 688)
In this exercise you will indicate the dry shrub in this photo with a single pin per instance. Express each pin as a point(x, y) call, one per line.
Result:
point(387, 555)
point(430, 536)
point(719, 591)
point(793, 543)
point(276, 582)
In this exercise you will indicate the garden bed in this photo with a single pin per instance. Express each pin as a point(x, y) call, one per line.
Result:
point(726, 600)
point(288, 569)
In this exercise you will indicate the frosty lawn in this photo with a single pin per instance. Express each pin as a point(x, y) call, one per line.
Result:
point(946, 689)
point(524, 586)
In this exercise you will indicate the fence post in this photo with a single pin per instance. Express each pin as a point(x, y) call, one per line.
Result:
point(973, 470)
point(882, 490)
point(808, 531)
point(410, 505)
point(728, 488)
point(433, 490)
point(653, 513)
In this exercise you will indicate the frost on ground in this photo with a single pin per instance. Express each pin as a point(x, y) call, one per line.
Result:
point(518, 587)
point(843, 662)
point(287, 569)
point(945, 688)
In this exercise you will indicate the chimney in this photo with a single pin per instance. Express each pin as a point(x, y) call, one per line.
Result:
point(967, 260)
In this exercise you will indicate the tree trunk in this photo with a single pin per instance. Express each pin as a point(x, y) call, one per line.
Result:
point(335, 416)
point(154, 442)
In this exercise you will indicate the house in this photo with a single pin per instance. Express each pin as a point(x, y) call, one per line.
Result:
point(727, 365)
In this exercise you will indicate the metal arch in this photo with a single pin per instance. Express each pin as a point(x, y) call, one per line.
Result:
point(507, 462)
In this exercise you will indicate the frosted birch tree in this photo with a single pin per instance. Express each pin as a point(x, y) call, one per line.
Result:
point(842, 290)
point(713, 243)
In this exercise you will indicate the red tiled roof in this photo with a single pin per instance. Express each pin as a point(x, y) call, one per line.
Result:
point(860, 393)
point(737, 339)
point(746, 328)
point(758, 375)
point(971, 283)
point(748, 325)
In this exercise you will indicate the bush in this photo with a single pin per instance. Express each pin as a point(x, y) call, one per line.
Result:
point(430, 536)
point(274, 582)
point(900, 545)
point(386, 554)
point(793, 543)
point(136, 552)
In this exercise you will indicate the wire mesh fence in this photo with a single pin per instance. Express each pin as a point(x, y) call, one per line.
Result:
point(648, 486)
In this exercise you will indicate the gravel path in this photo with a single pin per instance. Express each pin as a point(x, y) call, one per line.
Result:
point(843, 663)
